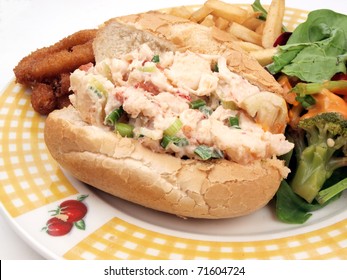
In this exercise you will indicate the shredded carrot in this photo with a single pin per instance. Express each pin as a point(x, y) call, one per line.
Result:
point(288, 96)
point(327, 101)
point(294, 115)
point(340, 91)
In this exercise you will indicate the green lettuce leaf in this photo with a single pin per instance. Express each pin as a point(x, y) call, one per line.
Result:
point(313, 53)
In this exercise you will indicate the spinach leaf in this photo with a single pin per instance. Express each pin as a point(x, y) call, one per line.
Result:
point(257, 7)
point(316, 50)
point(290, 208)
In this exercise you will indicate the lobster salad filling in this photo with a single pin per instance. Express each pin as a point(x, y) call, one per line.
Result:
point(182, 103)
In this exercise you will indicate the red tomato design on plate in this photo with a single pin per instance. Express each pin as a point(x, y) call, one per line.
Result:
point(57, 227)
point(74, 209)
point(68, 214)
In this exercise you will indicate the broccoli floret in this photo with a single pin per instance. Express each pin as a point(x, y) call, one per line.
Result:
point(325, 151)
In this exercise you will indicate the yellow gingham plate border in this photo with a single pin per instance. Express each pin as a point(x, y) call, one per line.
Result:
point(31, 179)
point(118, 239)
point(29, 176)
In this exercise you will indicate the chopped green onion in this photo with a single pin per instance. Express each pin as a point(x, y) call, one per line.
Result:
point(114, 116)
point(174, 128)
point(180, 142)
point(155, 59)
point(207, 111)
point(234, 122)
point(197, 104)
point(124, 129)
point(97, 88)
point(165, 141)
point(148, 69)
point(216, 153)
point(106, 70)
point(205, 152)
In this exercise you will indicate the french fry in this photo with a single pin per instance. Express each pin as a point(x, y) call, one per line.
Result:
point(273, 23)
point(226, 11)
point(260, 28)
point(241, 26)
point(208, 21)
point(221, 23)
point(245, 34)
point(182, 12)
point(200, 14)
point(249, 47)
point(252, 22)
point(264, 56)
point(222, 36)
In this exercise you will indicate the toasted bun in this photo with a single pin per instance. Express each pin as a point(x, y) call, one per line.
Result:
point(187, 188)
point(173, 32)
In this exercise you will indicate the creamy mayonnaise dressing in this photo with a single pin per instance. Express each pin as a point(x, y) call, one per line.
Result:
point(155, 93)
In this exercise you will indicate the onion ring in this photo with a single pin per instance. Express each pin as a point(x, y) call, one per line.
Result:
point(64, 56)
point(47, 70)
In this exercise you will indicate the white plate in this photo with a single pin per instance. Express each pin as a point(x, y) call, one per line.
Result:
point(32, 184)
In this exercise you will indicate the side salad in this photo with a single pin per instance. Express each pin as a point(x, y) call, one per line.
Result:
point(310, 64)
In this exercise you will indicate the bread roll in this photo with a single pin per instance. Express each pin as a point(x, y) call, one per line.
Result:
point(188, 188)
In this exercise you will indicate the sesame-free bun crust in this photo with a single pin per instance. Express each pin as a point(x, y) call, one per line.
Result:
point(189, 188)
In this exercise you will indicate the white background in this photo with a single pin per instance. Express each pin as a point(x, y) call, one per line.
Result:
point(26, 25)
